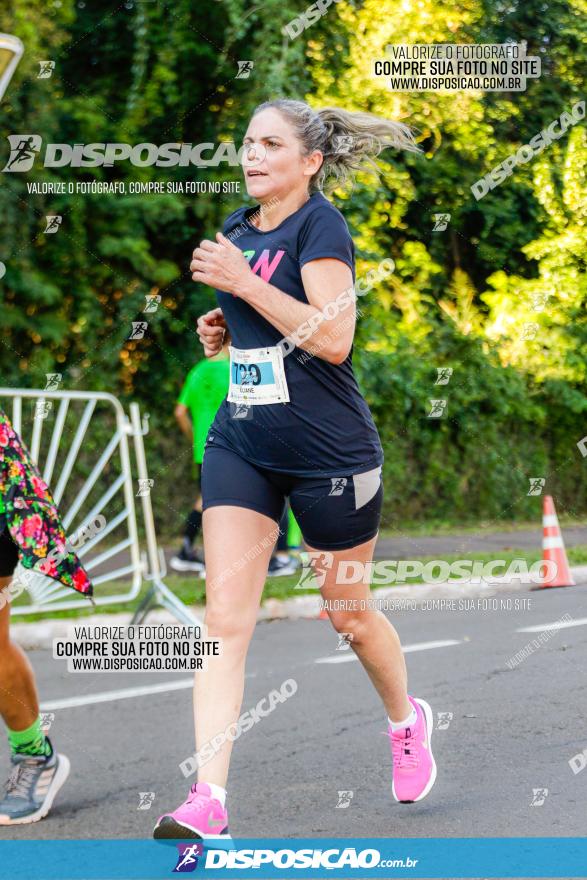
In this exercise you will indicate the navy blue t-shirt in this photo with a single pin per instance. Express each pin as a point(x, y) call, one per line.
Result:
point(326, 429)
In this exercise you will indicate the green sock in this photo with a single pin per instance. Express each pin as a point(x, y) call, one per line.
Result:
point(31, 741)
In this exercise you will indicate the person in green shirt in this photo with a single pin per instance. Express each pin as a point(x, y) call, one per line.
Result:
point(203, 391)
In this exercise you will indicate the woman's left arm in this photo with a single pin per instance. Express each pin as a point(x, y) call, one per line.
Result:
point(329, 336)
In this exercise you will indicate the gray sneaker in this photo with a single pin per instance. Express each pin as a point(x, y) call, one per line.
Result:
point(31, 788)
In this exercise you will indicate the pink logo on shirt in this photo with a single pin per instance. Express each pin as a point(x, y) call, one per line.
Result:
point(265, 266)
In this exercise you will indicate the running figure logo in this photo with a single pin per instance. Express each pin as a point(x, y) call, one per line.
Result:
point(53, 222)
point(441, 222)
point(188, 857)
point(539, 301)
point(539, 795)
point(23, 149)
point(438, 408)
point(53, 380)
point(153, 300)
point(314, 576)
point(342, 143)
point(240, 411)
point(250, 374)
point(138, 329)
point(244, 69)
point(146, 799)
point(536, 485)
point(47, 719)
point(46, 68)
point(529, 330)
point(338, 484)
point(444, 719)
point(42, 408)
point(444, 374)
point(344, 799)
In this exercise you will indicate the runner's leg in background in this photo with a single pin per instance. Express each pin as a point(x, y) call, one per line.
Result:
point(189, 559)
point(281, 562)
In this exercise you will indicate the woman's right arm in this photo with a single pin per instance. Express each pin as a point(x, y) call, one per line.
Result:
point(213, 332)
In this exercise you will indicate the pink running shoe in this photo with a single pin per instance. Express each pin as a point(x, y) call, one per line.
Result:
point(414, 768)
point(201, 816)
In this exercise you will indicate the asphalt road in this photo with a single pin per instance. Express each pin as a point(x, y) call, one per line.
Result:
point(480, 541)
point(512, 731)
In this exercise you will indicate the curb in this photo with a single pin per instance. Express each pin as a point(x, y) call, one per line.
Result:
point(40, 634)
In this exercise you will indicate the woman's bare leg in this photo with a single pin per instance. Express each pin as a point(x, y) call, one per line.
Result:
point(234, 585)
point(19, 705)
point(374, 640)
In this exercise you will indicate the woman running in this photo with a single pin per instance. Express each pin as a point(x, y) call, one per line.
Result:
point(31, 533)
point(294, 425)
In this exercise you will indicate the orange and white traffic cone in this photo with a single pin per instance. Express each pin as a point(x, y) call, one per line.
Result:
point(553, 550)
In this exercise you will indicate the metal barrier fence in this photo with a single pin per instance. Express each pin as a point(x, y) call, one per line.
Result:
point(63, 442)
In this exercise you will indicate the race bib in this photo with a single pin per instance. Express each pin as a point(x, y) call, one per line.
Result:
point(257, 376)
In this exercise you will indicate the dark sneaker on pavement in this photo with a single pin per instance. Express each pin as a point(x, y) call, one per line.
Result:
point(187, 561)
point(282, 567)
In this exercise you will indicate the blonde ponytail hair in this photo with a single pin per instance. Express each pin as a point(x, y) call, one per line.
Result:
point(349, 141)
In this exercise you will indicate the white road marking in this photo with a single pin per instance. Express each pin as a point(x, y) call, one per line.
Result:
point(123, 694)
point(350, 655)
point(558, 624)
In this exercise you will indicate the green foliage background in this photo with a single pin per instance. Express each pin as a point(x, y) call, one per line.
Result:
point(160, 72)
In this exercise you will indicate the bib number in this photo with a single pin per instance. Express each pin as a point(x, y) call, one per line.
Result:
point(257, 376)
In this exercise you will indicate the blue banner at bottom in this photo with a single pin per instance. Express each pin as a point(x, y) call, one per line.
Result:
point(359, 857)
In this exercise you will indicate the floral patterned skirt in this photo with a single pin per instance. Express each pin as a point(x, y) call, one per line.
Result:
point(31, 516)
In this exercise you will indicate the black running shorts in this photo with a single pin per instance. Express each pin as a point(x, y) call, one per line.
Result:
point(333, 513)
